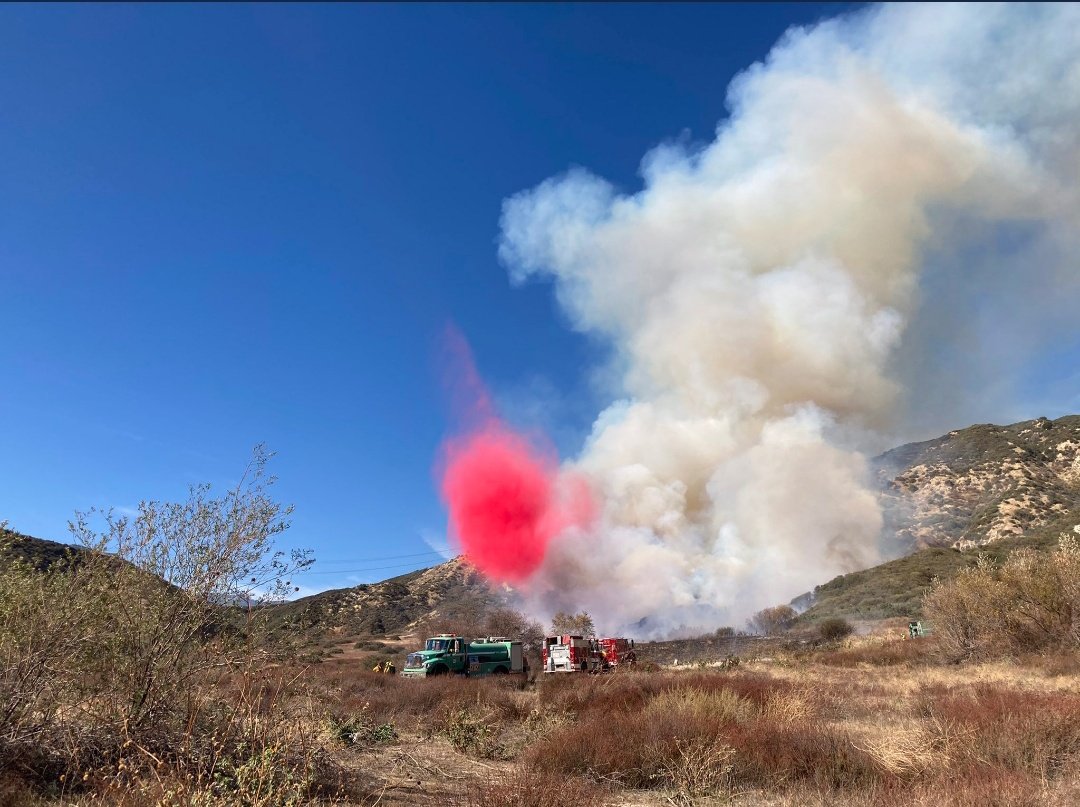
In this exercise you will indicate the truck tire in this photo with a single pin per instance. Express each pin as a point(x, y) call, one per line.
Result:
point(500, 671)
point(439, 669)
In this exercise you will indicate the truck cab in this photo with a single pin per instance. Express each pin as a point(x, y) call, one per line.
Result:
point(442, 654)
point(450, 653)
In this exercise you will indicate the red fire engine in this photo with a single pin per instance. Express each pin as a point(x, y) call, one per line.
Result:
point(617, 652)
point(568, 653)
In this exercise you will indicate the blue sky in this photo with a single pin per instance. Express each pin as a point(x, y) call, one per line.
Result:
point(224, 225)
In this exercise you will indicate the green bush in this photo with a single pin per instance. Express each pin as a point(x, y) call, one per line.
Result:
point(471, 732)
point(360, 729)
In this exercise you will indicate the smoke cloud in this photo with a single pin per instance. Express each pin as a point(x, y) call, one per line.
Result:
point(892, 196)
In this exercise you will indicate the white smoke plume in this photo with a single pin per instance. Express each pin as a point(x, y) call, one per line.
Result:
point(759, 294)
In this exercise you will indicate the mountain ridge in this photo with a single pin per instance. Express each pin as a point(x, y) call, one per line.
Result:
point(982, 489)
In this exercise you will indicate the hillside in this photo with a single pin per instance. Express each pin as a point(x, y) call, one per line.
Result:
point(896, 588)
point(986, 487)
point(38, 553)
point(389, 607)
point(994, 488)
point(982, 484)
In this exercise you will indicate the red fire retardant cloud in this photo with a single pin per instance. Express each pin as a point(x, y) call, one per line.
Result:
point(506, 498)
point(500, 496)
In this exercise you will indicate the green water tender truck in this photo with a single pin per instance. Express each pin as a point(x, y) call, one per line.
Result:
point(449, 653)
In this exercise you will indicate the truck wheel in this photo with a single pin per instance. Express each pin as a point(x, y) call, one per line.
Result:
point(500, 671)
point(439, 669)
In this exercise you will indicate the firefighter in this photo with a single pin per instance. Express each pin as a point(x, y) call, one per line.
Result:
point(390, 668)
point(378, 667)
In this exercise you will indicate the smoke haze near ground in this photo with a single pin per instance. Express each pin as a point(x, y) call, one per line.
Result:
point(885, 218)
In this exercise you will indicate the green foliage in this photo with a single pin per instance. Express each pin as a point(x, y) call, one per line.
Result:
point(472, 732)
point(256, 778)
point(360, 729)
point(893, 589)
point(896, 588)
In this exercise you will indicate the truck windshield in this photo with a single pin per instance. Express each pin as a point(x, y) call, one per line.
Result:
point(437, 644)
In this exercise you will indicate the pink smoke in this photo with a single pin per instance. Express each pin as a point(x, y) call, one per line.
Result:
point(506, 497)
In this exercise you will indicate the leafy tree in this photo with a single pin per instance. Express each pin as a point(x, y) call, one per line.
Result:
point(580, 624)
point(771, 621)
point(515, 625)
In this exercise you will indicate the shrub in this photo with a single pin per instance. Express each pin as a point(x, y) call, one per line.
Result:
point(771, 621)
point(1034, 732)
point(369, 644)
point(1031, 603)
point(834, 628)
point(698, 731)
point(889, 653)
point(360, 729)
point(471, 732)
point(531, 788)
point(700, 767)
point(701, 705)
point(130, 654)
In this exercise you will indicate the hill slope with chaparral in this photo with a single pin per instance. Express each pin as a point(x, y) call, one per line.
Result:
point(982, 489)
point(810, 715)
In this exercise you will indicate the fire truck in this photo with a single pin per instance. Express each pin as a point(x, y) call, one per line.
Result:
point(617, 652)
point(450, 653)
point(569, 653)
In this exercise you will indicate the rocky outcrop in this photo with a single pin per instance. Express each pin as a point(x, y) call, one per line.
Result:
point(978, 485)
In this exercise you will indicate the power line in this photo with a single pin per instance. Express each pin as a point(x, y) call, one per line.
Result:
point(376, 560)
point(358, 571)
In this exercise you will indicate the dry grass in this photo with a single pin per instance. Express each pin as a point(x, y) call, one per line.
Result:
point(529, 788)
point(800, 730)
